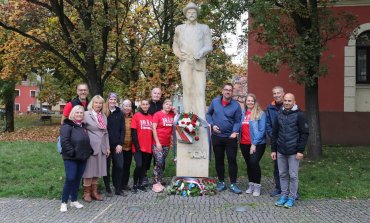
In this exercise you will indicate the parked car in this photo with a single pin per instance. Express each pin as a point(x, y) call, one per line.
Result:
point(43, 111)
point(46, 111)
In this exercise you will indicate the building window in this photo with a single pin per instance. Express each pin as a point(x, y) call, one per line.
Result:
point(363, 58)
point(17, 92)
point(17, 107)
point(33, 93)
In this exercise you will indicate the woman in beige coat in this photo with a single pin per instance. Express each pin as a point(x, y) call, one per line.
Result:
point(96, 166)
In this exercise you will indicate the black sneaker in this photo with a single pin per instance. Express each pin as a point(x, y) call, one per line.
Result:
point(145, 181)
point(109, 193)
point(120, 193)
point(134, 189)
point(126, 188)
point(142, 188)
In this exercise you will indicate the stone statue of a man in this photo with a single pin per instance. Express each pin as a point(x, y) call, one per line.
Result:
point(192, 42)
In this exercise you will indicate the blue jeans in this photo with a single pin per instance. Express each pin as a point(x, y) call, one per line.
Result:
point(288, 172)
point(74, 171)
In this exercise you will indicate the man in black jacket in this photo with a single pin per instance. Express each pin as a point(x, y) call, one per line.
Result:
point(289, 138)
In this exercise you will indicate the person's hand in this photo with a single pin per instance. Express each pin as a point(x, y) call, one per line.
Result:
point(252, 149)
point(299, 156)
point(273, 155)
point(108, 152)
point(159, 147)
point(233, 135)
point(216, 129)
point(118, 149)
point(174, 109)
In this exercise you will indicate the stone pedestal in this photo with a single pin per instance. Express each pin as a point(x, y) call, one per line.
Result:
point(193, 159)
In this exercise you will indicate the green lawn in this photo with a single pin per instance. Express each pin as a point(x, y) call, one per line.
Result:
point(32, 169)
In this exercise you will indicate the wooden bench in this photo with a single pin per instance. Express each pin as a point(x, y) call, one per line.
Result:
point(45, 118)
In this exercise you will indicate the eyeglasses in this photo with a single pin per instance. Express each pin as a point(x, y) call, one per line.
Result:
point(228, 89)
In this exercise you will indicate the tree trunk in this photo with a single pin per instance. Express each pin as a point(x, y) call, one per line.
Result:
point(9, 99)
point(314, 148)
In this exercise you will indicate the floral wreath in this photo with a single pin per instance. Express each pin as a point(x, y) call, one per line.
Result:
point(187, 127)
point(192, 187)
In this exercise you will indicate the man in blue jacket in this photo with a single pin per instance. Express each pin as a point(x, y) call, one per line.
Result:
point(271, 111)
point(289, 139)
point(224, 116)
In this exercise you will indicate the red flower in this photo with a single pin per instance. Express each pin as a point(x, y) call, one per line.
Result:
point(196, 138)
point(193, 123)
point(193, 132)
point(186, 116)
point(188, 123)
point(186, 129)
point(195, 117)
point(182, 122)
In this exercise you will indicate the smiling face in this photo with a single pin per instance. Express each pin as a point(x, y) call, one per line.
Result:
point(156, 94)
point(289, 101)
point(112, 102)
point(227, 92)
point(167, 106)
point(82, 91)
point(97, 105)
point(191, 15)
point(127, 108)
point(250, 102)
point(79, 115)
point(144, 106)
point(278, 95)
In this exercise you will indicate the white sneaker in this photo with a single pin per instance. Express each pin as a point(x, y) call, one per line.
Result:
point(63, 207)
point(250, 188)
point(257, 190)
point(76, 204)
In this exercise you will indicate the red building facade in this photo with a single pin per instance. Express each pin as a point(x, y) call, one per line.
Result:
point(25, 97)
point(345, 90)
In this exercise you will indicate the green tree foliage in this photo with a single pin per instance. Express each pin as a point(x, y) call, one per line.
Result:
point(129, 41)
point(296, 33)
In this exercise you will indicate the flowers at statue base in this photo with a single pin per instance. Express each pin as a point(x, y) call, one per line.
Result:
point(192, 187)
point(188, 127)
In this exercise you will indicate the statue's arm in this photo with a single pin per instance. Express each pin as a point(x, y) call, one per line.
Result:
point(175, 45)
point(207, 47)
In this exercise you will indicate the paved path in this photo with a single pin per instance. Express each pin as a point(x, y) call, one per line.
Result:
point(151, 207)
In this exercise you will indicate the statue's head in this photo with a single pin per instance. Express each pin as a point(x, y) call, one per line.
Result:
point(190, 5)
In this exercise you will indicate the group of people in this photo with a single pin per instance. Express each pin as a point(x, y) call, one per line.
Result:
point(282, 122)
point(97, 133)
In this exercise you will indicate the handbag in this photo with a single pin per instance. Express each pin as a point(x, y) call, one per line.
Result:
point(59, 145)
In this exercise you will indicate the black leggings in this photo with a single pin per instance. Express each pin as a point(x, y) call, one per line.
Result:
point(253, 161)
point(127, 159)
point(117, 170)
point(230, 146)
point(142, 159)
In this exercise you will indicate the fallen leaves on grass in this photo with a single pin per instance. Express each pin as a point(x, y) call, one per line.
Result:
point(38, 134)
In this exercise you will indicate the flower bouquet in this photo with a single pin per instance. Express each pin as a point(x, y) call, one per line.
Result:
point(187, 128)
point(192, 187)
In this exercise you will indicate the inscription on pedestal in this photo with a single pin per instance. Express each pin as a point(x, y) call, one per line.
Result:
point(193, 159)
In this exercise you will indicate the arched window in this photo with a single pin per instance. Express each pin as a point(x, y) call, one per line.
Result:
point(363, 58)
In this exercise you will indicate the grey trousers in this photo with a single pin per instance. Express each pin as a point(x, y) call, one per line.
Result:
point(288, 172)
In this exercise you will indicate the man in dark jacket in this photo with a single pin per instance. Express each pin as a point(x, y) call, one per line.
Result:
point(289, 139)
point(224, 116)
point(271, 111)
